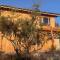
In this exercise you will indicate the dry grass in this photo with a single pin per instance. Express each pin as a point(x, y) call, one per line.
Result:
point(40, 56)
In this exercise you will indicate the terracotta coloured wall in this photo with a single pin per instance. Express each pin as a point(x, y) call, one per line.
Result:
point(6, 45)
point(52, 21)
point(15, 15)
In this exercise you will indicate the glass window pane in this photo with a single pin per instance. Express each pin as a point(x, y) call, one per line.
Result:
point(45, 20)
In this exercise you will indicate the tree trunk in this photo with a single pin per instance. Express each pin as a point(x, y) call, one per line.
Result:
point(18, 54)
point(52, 39)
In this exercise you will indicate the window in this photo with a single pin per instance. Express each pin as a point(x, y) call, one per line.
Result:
point(45, 20)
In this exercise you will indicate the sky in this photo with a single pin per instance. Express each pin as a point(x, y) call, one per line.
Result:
point(45, 5)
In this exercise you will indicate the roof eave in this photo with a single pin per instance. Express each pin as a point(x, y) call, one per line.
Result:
point(30, 11)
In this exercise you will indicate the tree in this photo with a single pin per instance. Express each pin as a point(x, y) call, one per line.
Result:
point(23, 31)
point(20, 30)
point(8, 28)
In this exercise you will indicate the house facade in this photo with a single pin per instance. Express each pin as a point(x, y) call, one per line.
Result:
point(46, 18)
point(19, 13)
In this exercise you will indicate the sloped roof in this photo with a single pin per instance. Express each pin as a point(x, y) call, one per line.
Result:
point(5, 7)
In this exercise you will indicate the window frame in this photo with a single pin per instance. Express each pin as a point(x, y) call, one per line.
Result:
point(42, 20)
